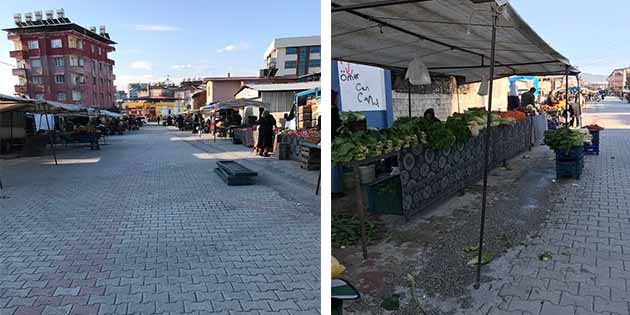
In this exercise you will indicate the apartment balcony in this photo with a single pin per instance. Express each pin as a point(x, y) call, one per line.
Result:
point(110, 61)
point(19, 72)
point(19, 54)
point(38, 88)
point(21, 89)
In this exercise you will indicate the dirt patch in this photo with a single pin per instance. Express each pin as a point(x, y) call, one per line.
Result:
point(430, 246)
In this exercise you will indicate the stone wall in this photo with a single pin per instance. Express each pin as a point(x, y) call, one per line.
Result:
point(446, 104)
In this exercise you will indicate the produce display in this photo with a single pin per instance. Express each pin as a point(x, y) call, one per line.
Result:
point(564, 138)
point(348, 117)
point(594, 127)
point(410, 131)
point(309, 135)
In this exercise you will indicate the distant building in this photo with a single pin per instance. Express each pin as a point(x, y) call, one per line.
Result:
point(618, 80)
point(224, 88)
point(293, 56)
point(135, 88)
point(185, 91)
point(62, 61)
point(121, 95)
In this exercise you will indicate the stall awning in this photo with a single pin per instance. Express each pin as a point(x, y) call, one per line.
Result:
point(13, 103)
point(240, 103)
point(452, 37)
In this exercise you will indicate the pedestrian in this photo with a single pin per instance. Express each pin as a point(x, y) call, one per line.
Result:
point(265, 133)
point(528, 98)
point(158, 120)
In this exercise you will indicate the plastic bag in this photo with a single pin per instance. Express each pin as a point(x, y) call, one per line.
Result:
point(418, 73)
point(336, 268)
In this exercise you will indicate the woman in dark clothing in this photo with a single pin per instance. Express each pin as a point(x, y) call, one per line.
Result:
point(265, 134)
point(429, 115)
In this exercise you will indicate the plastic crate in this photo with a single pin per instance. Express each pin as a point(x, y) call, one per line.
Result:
point(593, 148)
point(575, 153)
point(385, 196)
point(570, 163)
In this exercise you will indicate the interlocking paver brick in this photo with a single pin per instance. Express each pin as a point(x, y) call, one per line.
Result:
point(147, 225)
point(56, 310)
point(67, 291)
point(84, 310)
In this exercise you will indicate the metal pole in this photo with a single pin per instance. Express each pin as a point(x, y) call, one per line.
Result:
point(578, 100)
point(566, 94)
point(487, 148)
point(51, 137)
point(409, 96)
point(360, 210)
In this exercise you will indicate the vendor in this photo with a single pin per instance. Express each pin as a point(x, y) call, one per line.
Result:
point(429, 115)
point(528, 98)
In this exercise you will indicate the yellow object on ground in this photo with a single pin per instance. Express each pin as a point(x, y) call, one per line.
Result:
point(336, 268)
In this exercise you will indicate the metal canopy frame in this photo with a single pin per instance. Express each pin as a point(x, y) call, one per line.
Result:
point(379, 22)
point(495, 12)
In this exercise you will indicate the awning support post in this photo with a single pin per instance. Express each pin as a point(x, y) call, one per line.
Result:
point(578, 100)
point(409, 97)
point(487, 148)
point(51, 137)
point(566, 94)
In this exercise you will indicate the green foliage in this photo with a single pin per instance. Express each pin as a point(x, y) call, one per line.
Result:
point(346, 230)
point(564, 139)
point(439, 136)
point(391, 303)
point(348, 117)
point(459, 128)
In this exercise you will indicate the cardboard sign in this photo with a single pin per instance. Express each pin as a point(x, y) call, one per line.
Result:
point(362, 88)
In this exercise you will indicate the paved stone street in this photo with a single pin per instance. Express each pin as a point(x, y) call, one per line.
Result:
point(144, 226)
point(587, 235)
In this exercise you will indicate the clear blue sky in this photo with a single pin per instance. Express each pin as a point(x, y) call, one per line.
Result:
point(177, 38)
point(592, 34)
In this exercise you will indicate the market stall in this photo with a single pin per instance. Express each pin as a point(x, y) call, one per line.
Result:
point(228, 121)
point(404, 36)
point(12, 104)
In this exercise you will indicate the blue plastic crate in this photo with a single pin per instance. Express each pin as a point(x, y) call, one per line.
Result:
point(569, 168)
point(575, 153)
point(593, 148)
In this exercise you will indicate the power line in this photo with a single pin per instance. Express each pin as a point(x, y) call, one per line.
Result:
point(8, 64)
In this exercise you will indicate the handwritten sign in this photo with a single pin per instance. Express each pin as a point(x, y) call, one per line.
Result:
point(362, 88)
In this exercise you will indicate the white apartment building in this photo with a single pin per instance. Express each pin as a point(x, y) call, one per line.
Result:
point(294, 56)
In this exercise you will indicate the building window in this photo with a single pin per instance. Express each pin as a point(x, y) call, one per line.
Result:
point(315, 49)
point(36, 63)
point(290, 64)
point(58, 61)
point(56, 43)
point(79, 44)
point(61, 96)
point(76, 95)
point(37, 79)
point(74, 61)
point(314, 63)
point(39, 96)
point(302, 61)
point(92, 48)
point(94, 79)
point(33, 44)
point(292, 50)
point(99, 50)
point(60, 79)
point(81, 61)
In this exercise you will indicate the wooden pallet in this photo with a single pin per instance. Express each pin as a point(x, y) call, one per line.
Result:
point(310, 158)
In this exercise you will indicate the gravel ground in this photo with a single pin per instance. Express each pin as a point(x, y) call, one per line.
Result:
point(431, 246)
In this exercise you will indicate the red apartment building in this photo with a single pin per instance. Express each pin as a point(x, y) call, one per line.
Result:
point(61, 61)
